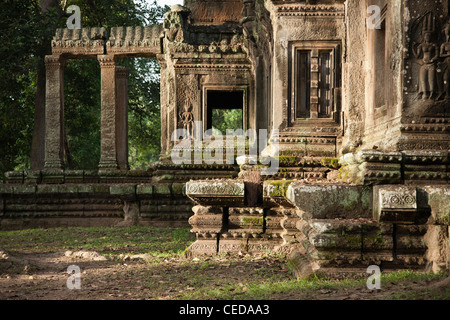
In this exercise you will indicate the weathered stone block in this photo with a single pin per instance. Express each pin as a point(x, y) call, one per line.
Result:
point(109, 175)
point(84, 189)
point(232, 245)
point(6, 189)
point(74, 176)
point(396, 204)
point(371, 167)
point(377, 237)
point(91, 176)
point(24, 189)
point(162, 189)
point(14, 177)
point(122, 190)
point(330, 241)
point(68, 189)
point(261, 245)
point(327, 201)
point(273, 225)
point(203, 247)
point(206, 223)
point(227, 193)
point(100, 188)
point(439, 202)
point(32, 176)
point(47, 189)
point(144, 189)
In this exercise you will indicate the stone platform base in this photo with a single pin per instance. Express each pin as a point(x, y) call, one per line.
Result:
point(64, 205)
point(325, 228)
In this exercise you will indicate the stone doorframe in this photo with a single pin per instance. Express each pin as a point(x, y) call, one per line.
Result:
point(94, 43)
point(114, 119)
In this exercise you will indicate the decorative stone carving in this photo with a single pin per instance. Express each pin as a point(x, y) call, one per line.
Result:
point(135, 40)
point(445, 54)
point(108, 152)
point(427, 53)
point(175, 24)
point(186, 116)
point(398, 204)
point(226, 193)
point(54, 112)
point(85, 41)
point(309, 10)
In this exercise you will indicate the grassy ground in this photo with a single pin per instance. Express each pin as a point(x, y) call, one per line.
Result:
point(38, 262)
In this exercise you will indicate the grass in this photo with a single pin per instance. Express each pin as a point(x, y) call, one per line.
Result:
point(160, 242)
point(170, 275)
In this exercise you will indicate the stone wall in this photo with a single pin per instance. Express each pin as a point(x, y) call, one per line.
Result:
point(28, 206)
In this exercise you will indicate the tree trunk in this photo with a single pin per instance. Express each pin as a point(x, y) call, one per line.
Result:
point(37, 145)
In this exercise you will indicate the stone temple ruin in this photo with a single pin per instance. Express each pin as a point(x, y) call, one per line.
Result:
point(355, 100)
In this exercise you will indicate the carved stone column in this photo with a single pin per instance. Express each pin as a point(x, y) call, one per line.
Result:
point(108, 148)
point(54, 113)
point(122, 117)
point(165, 135)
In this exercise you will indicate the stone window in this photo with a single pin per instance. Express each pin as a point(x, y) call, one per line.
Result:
point(224, 109)
point(315, 79)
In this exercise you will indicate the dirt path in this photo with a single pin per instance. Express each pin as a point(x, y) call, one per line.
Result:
point(45, 276)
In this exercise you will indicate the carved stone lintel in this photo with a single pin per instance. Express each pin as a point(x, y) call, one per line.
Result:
point(81, 42)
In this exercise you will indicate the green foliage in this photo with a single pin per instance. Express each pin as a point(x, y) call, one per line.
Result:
point(82, 113)
point(24, 29)
point(226, 119)
point(144, 126)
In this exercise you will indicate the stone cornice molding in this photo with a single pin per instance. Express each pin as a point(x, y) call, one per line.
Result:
point(306, 10)
point(85, 41)
point(135, 39)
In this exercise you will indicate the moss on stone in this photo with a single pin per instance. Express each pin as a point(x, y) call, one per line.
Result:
point(163, 189)
point(252, 220)
point(288, 161)
point(330, 162)
point(375, 240)
point(278, 188)
point(351, 201)
point(353, 241)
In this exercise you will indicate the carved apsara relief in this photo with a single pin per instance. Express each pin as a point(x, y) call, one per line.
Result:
point(427, 54)
point(445, 54)
point(430, 48)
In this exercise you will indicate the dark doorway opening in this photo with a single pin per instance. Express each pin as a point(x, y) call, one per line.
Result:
point(225, 111)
